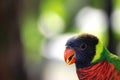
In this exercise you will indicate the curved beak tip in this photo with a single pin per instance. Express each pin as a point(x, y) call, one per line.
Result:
point(69, 56)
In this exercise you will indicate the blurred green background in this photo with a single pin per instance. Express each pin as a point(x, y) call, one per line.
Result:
point(45, 26)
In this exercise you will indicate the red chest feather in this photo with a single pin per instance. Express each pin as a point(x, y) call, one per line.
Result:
point(100, 71)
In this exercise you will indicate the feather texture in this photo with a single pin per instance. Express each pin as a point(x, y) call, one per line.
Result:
point(100, 71)
point(93, 60)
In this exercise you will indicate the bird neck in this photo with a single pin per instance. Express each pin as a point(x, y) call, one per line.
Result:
point(102, 56)
point(80, 64)
point(91, 72)
point(88, 62)
point(99, 52)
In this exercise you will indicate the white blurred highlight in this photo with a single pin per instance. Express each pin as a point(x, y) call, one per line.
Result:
point(92, 21)
point(54, 49)
point(50, 24)
point(57, 69)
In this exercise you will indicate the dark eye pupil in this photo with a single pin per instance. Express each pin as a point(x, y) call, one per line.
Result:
point(83, 46)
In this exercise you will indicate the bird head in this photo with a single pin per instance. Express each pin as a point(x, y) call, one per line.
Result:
point(83, 50)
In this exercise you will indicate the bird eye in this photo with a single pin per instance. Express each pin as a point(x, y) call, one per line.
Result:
point(83, 46)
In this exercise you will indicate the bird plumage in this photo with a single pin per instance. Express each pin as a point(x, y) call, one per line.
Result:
point(100, 71)
point(92, 59)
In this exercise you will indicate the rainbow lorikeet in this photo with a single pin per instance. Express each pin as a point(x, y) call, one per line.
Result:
point(92, 60)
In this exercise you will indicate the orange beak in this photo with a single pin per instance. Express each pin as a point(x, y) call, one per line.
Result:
point(69, 56)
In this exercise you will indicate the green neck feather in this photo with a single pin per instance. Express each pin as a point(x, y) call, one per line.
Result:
point(99, 52)
point(111, 58)
point(103, 54)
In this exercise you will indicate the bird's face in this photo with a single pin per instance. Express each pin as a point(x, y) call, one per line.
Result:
point(80, 50)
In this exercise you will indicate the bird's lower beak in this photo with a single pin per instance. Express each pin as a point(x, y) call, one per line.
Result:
point(69, 56)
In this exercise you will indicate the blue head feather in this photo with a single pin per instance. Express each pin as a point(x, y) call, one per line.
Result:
point(83, 56)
